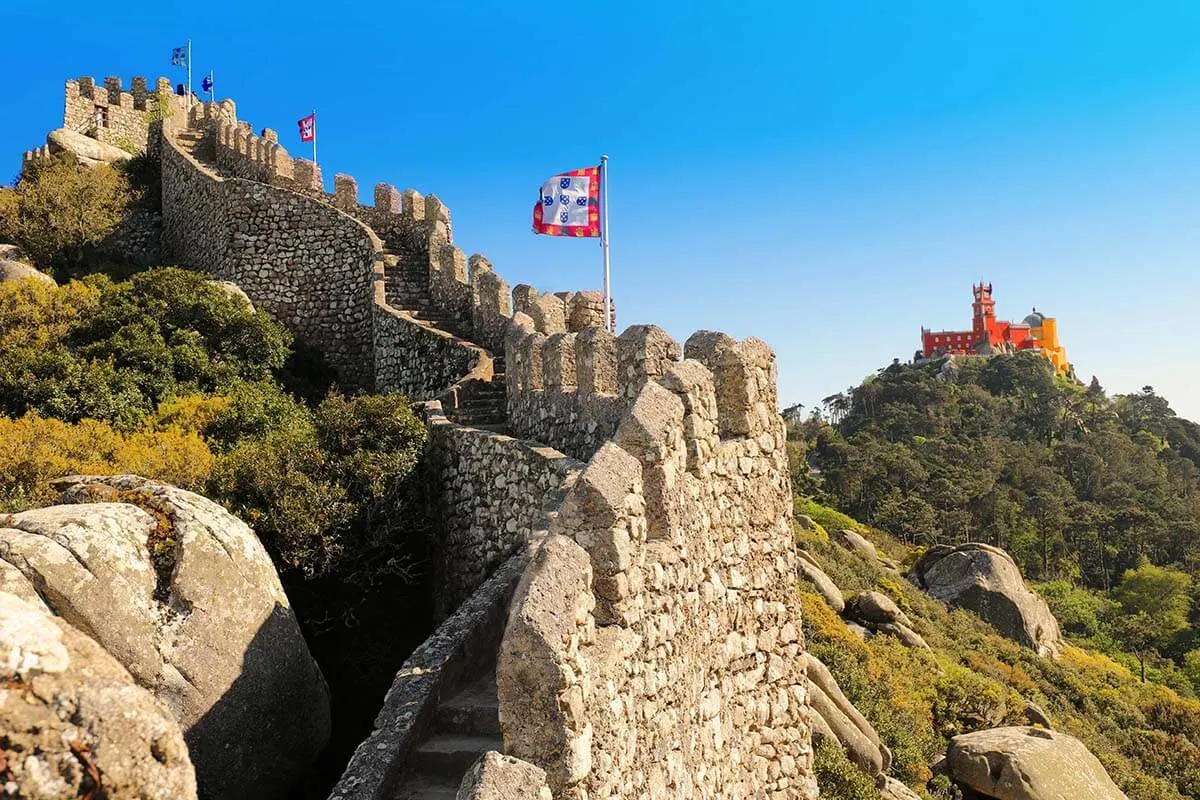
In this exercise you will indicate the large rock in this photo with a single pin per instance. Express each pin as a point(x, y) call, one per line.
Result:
point(182, 593)
point(893, 789)
point(1028, 764)
point(876, 608)
point(837, 717)
point(985, 580)
point(810, 569)
point(233, 290)
point(856, 543)
point(74, 723)
point(499, 777)
point(14, 267)
point(18, 270)
point(907, 636)
point(88, 150)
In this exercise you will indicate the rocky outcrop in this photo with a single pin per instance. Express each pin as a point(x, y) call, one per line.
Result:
point(836, 717)
point(184, 596)
point(14, 267)
point(233, 290)
point(498, 777)
point(856, 543)
point(74, 723)
point(87, 150)
point(1028, 764)
point(810, 569)
point(893, 789)
point(880, 613)
point(985, 580)
point(874, 608)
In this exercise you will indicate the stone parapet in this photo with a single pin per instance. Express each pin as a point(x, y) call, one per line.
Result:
point(653, 647)
point(309, 265)
point(495, 493)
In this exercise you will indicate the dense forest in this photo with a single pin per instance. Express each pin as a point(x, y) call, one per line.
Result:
point(1097, 497)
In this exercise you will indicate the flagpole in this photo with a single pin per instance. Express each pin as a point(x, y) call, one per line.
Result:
point(608, 323)
point(189, 89)
point(314, 136)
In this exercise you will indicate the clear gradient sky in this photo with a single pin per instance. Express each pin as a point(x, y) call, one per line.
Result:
point(825, 176)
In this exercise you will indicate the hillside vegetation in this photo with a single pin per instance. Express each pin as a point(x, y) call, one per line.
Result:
point(1144, 734)
point(1096, 497)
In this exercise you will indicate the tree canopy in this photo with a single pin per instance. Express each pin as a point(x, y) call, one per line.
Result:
point(1073, 483)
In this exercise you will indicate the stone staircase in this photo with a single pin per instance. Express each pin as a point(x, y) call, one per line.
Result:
point(189, 140)
point(467, 726)
point(487, 407)
point(407, 290)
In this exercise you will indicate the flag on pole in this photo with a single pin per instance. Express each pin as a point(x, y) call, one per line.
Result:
point(179, 57)
point(206, 83)
point(569, 204)
point(308, 128)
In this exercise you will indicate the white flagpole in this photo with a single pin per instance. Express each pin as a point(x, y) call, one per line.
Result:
point(189, 58)
point(314, 136)
point(608, 323)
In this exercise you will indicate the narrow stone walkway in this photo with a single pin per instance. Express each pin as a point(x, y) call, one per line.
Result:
point(468, 725)
point(407, 290)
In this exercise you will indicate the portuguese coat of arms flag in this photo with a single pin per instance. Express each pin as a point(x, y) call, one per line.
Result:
point(569, 204)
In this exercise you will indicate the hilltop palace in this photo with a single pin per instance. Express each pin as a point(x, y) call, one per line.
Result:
point(990, 336)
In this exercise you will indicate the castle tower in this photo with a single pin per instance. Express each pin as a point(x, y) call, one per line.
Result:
point(984, 309)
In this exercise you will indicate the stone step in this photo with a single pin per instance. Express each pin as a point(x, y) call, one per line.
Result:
point(451, 755)
point(428, 787)
point(473, 711)
point(478, 414)
point(476, 404)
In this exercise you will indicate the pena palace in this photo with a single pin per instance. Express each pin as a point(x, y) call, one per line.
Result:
point(990, 336)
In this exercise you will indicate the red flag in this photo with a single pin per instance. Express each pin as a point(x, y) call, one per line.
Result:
point(569, 204)
point(308, 128)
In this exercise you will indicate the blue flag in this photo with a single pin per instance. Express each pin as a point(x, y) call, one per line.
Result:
point(206, 83)
point(179, 57)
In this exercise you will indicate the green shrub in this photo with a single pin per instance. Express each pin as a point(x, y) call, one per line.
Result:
point(114, 351)
point(328, 490)
point(824, 516)
point(838, 778)
point(59, 209)
point(1079, 611)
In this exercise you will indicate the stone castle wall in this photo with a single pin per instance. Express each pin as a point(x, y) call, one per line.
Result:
point(306, 263)
point(493, 492)
point(653, 647)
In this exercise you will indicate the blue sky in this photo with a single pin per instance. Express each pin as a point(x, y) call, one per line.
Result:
point(825, 176)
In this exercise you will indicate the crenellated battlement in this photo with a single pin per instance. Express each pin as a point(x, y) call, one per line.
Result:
point(467, 290)
point(660, 606)
point(112, 114)
point(569, 389)
point(111, 92)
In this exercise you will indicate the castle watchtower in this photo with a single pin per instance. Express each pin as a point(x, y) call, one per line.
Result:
point(984, 309)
